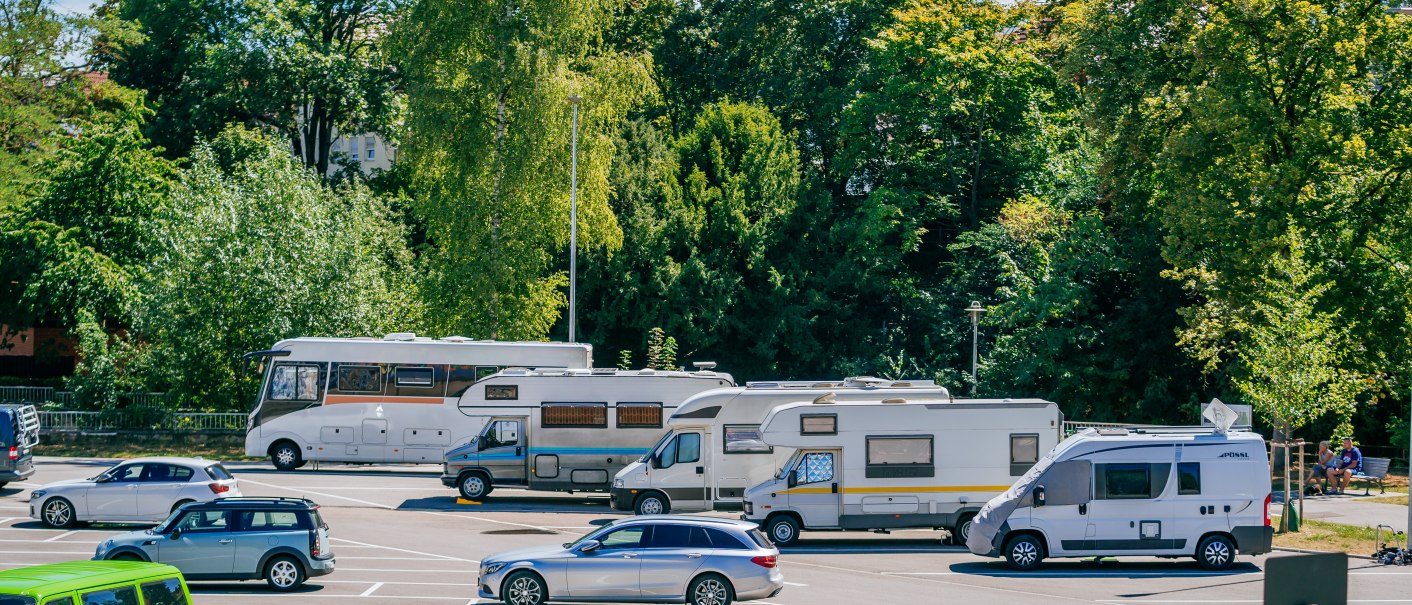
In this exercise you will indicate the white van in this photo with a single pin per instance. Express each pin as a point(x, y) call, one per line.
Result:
point(892, 463)
point(1167, 492)
point(718, 453)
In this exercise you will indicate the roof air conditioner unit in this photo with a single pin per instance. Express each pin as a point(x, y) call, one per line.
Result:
point(400, 336)
point(828, 397)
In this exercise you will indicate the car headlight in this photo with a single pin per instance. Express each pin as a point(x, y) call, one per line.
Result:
point(491, 568)
point(37, 494)
point(104, 547)
point(617, 482)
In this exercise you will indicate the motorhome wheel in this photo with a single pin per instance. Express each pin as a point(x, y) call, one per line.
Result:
point(783, 530)
point(652, 503)
point(474, 486)
point(1215, 553)
point(1024, 552)
point(962, 530)
point(285, 456)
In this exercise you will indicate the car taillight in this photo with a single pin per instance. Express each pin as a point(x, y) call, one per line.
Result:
point(316, 546)
point(14, 453)
point(765, 561)
point(1267, 508)
point(218, 488)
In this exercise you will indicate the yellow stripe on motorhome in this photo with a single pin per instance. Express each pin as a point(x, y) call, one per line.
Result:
point(899, 489)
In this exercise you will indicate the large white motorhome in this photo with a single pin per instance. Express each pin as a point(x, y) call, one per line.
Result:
point(896, 463)
point(1163, 491)
point(379, 401)
point(564, 430)
point(727, 455)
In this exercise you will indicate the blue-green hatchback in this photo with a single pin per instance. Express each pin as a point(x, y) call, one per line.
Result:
point(94, 583)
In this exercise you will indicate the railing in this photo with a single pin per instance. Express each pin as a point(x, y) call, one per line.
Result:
point(1071, 427)
point(140, 419)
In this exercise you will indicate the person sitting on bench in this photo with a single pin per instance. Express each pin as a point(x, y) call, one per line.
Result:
point(1323, 461)
point(1349, 461)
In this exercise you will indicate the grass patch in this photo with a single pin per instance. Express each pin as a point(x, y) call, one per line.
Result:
point(130, 450)
point(1329, 537)
point(1387, 500)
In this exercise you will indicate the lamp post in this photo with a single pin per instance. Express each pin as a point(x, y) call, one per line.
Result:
point(975, 310)
point(574, 220)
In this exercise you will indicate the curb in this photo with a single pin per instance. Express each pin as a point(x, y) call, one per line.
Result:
point(1305, 551)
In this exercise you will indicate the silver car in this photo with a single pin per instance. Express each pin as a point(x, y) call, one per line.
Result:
point(142, 490)
point(647, 559)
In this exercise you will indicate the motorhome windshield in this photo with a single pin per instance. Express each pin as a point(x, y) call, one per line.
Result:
point(655, 448)
point(784, 470)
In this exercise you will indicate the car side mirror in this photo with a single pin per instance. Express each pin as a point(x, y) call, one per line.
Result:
point(102, 478)
point(1039, 496)
point(792, 479)
point(174, 534)
point(589, 546)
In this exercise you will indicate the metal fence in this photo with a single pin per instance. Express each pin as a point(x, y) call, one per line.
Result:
point(1071, 427)
point(139, 419)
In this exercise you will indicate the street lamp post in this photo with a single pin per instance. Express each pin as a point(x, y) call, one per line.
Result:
point(574, 220)
point(975, 310)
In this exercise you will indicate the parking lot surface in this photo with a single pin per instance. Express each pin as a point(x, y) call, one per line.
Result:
point(400, 537)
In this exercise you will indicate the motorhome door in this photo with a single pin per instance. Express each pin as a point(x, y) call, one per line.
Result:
point(815, 494)
point(679, 468)
point(505, 450)
point(1130, 511)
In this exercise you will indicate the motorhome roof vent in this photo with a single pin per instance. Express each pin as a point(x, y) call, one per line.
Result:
point(828, 397)
point(901, 385)
point(647, 371)
point(821, 385)
point(601, 371)
point(400, 336)
point(704, 365)
point(894, 400)
point(866, 381)
point(455, 339)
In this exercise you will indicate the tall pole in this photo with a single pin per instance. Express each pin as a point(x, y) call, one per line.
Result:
point(574, 221)
point(975, 310)
point(1409, 460)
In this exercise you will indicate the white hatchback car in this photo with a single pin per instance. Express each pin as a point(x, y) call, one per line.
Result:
point(141, 490)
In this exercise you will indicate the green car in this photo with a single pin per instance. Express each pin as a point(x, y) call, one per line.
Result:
point(94, 583)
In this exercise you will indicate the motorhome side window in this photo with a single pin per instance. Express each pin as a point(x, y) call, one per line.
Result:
point(818, 424)
point(295, 382)
point(1130, 480)
point(899, 457)
point(1188, 478)
point(574, 415)
point(502, 392)
point(1024, 453)
point(684, 448)
point(816, 467)
point(501, 433)
point(745, 439)
point(635, 415)
point(359, 379)
point(415, 376)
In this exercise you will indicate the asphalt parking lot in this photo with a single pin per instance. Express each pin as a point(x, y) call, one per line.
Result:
point(400, 537)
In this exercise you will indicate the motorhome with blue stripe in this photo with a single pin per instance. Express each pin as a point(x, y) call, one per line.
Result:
point(565, 430)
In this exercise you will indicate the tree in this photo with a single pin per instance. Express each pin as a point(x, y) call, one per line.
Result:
point(1294, 351)
point(489, 143)
point(256, 248)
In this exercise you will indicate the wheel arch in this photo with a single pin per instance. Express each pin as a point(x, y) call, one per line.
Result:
point(667, 500)
point(283, 551)
point(710, 572)
point(1029, 531)
point(1196, 548)
point(128, 550)
point(524, 567)
point(784, 513)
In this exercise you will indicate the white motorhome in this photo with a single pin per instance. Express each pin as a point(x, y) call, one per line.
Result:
point(896, 463)
point(718, 450)
point(564, 430)
point(379, 401)
point(1167, 492)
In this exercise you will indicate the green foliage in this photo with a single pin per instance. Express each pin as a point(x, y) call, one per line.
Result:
point(255, 248)
point(661, 350)
point(624, 359)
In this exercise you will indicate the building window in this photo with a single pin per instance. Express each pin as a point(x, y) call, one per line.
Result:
point(639, 415)
point(371, 147)
point(574, 415)
point(899, 457)
point(818, 424)
point(415, 377)
point(337, 146)
point(745, 439)
point(359, 379)
point(353, 148)
point(502, 392)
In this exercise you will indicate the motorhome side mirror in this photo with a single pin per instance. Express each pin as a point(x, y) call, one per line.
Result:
point(1039, 496)
point(589, 546)
point(656, 461)
point(792, 479)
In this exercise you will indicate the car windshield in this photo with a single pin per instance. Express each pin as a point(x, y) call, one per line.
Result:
point(589, 535)
point(788, 465)
point(658, 446)
point(166, 524)
point(107, 473)
point(7, 599)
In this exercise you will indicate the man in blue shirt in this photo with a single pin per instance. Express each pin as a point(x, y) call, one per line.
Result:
point(1348, 462)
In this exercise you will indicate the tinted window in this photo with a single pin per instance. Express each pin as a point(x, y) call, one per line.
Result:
point(131, 472)
point(723, 539)
point(164, 592)
point(627, 537)
point(360, 379)
point(1188, 478)
point(166, 473)
point(125, 595)
point(671, 536)
point(18, 600)
point(699, 539)
point(218, 472)
point(269, 520)
point(415, 377)
point(204, 521)
point(688, 447)
point(1126, 481)
point(59, 601)
point(760, 538)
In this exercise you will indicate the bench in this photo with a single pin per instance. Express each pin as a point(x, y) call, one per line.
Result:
point(1374, 469)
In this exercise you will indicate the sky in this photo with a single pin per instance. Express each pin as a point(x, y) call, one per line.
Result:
point(72, 6)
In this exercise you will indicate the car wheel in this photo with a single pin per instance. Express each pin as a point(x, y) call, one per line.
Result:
point(709, 589)
point(285, 456)
point(176, 507)
point(473, 486)
point(524, 588)
point(783, 530)
point(652, 503)
point(284, 573)
point(57, 512)
point(1215, 553)
point(1024, 552)
point(962, 530)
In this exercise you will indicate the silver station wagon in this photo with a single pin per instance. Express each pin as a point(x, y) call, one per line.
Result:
point(649, 559)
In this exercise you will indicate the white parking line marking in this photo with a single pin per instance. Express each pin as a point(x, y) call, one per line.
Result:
point(1048, 597)
point(539, 527)
point(1116, 574)
point(384, 506)
point(9, 519)
point(63, 535)
point(342, 558)
point(794, 584)
point(371, 589)
point(411, 552)
point(47, 552)
point(440, 571)
point(314, 595)
point(323, 581)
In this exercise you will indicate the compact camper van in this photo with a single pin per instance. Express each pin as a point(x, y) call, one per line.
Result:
point(717, 448)
point(564, 430)
point(896, 463)
point(1166, 492)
